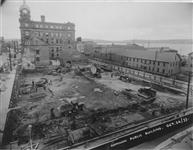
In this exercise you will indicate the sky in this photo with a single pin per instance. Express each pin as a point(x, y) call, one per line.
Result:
point(107, 20)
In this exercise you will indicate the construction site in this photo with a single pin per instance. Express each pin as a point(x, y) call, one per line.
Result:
point(60, 106)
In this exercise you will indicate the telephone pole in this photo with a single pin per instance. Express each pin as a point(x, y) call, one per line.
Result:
point(9, 46)
point(188, 90)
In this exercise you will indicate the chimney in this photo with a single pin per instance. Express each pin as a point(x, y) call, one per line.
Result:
point(43, 18)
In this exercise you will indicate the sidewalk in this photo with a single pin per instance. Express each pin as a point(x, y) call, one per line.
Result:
point(5, 97)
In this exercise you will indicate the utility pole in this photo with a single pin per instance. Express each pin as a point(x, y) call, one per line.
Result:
point(9, 46)
point(188, 90)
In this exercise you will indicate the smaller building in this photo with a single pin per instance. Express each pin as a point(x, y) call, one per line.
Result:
point(190, 62)
point(1, 44)
point(162, 62)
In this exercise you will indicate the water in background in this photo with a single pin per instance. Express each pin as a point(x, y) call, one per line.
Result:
point(183, 49)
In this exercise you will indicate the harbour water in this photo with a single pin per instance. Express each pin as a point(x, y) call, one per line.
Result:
point(182, 48)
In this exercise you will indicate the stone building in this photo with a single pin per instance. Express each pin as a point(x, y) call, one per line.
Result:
point(44, 41)
point(162, 62)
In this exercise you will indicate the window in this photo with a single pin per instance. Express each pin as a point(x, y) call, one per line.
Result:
point(37, 26)
point(164, 64)
point(36, 33)
point(158, 63)
point(154, 62)
point(68, 28)
point(37, 51)
point(69, 35)
point(163, 71)
point(26, 33)
point(37, 58)
point(157, 69)
point(68, 41)
point(52, 54)
point(26, 24)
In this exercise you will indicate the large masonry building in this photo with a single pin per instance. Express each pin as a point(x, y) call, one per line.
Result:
point(164, 62)
point(44, 41)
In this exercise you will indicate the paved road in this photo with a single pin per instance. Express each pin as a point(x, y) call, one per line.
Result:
point(5, 97)
point(151, 145)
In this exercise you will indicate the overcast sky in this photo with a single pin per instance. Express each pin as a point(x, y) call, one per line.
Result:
point(106, 20)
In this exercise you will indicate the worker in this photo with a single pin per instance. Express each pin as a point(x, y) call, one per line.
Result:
point(52, 115)
point(33, 84)
point(50, 82)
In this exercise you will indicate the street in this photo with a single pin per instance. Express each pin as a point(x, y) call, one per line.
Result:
point(5, 99)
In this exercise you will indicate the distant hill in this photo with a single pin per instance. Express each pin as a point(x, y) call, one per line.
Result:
point(169, 41)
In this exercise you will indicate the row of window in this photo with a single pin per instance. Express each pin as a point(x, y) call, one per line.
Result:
point(51, 26)
point(52, 34)
point(52, 41)
point(174, 64)
point(57, 49)
point(149, 62)
point(53, 55)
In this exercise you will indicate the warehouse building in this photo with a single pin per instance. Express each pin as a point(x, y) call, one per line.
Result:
point(163, 62)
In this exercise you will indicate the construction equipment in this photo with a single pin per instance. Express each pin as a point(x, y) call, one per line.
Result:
point(96, 72)
point(148, 94)
point(124, 78)
point(71, 108)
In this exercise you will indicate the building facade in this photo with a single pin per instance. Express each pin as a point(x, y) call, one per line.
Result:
point(1, 44)
point(190, 62)
point(43, 41)
point(162, 62)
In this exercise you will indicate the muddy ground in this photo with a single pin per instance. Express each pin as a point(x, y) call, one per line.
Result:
point(104, 110)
